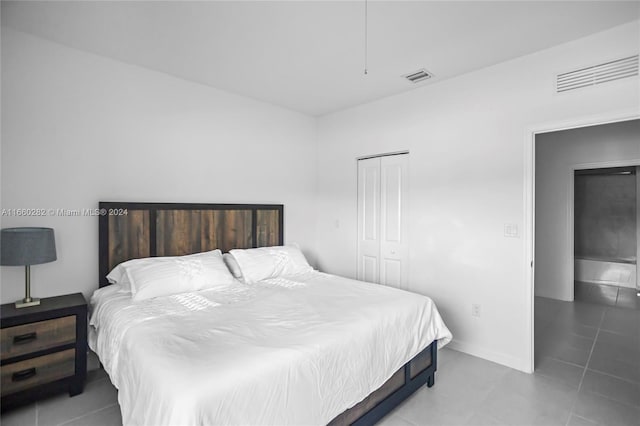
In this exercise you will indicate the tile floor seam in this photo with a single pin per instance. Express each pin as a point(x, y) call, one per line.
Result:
point(617, 333)
point(617, 401)
point(593, 346)
point(581, 417)
point(621, 334)
point(86, 414)
point(633, 382)
point(566, 362)
point(401, 416)
point(584, 371)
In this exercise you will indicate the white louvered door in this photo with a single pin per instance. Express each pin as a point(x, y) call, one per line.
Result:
point(382, 225)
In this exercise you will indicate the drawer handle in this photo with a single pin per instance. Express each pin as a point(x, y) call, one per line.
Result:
point(23, 375)
point(24, 338)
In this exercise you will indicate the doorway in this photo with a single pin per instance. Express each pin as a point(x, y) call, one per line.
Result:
point(606, 236)
point(570, 334)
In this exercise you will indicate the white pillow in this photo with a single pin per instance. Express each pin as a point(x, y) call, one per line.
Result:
point(118, 274)
point(174, 275)
point(269, 262)
point(233, 266)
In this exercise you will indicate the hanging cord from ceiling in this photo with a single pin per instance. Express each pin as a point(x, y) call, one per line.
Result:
point(366, 35)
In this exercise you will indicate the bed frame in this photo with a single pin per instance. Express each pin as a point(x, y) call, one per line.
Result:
point(135, 230)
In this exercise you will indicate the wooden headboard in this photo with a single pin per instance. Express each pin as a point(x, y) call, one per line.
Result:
point(135, 230)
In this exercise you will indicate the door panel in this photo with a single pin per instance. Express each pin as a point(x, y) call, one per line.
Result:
point(392, 273)
point(369, 220)
point(371, 202)
point(370, 269)
point(393, 231)
point(391, 202)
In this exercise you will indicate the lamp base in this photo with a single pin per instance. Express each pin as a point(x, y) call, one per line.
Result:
point(25, 303)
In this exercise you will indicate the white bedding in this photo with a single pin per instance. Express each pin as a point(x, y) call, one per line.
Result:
point(288, 351)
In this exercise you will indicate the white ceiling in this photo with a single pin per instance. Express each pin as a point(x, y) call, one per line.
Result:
point(309, 56)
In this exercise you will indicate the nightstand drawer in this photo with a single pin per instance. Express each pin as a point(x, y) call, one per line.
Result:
point(35, 371)
point(28, 338)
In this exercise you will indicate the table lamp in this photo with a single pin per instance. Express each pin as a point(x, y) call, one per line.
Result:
point(27, 246)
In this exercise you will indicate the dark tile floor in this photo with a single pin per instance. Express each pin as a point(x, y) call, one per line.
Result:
point(607, 295)
point(595, 349)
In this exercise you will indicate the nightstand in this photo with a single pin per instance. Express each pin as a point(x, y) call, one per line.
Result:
point(44, 349)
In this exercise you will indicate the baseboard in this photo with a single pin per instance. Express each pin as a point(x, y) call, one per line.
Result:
point(498, 358)
point(609, 283)
point(606, 272)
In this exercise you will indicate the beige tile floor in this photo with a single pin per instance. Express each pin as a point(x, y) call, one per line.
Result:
point(587, 373)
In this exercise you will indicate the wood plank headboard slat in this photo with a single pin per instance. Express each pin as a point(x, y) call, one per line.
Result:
point(133, 230)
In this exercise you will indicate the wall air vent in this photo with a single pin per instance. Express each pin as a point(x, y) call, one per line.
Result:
point(597, 74)
point(418, 76)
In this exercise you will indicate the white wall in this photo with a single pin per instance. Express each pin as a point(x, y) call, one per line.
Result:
point(557, 155)
point(79, 128)
point(466, 138)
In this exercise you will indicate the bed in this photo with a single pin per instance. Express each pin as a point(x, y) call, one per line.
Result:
point(303, 348)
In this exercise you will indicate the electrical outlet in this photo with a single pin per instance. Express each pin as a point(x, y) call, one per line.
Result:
point(475, 310)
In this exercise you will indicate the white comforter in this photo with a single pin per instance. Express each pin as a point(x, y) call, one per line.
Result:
point(295, 351)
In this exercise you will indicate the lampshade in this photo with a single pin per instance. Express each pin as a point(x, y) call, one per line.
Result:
point(27, 246)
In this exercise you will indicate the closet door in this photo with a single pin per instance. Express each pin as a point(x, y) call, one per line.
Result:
point(369, 220)
point(393, 225)
point(382, 225)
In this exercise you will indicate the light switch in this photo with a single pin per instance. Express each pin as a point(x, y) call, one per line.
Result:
point(511, 230)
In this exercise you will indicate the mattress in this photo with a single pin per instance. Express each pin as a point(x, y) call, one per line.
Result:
point(288, 351)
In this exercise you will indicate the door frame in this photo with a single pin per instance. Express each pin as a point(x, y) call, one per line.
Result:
point(571, 201)
point(386, 154)
point(529, 207)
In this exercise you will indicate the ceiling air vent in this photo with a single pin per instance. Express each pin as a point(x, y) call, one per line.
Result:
point(418, 76)
point(597, 74)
